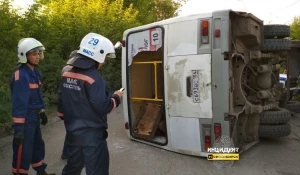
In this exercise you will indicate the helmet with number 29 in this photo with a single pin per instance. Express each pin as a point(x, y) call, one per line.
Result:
point(97, 47)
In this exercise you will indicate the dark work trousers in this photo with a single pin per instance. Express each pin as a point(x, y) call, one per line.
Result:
point(65, 148)
point(89, 149)
point(33, 147)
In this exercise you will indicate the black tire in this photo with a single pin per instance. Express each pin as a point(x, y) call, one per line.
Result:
point(274, 131)
point(295, 43)
point(293, 106)
point(276, 30)
point(271, 45)
point(279, 116)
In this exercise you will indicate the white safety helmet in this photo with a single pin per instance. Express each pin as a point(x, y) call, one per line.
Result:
point(26, 45)
point(97, 47)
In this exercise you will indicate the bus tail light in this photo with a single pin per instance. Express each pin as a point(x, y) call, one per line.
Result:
point(218, 130)
point(207, 138)
point(204, 31)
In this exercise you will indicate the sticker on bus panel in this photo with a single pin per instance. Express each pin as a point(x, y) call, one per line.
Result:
point(195, 86)
point(148, 40)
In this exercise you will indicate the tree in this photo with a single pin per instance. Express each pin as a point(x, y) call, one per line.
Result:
point(10, 31)
point(154, 10)
point(70, 20)
point(295, 28)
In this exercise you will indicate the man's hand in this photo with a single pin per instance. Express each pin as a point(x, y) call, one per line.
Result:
point(18, 138)
point(44, 118)
point(119, 93)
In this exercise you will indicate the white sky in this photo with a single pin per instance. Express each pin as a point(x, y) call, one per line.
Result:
point(270, 11)
point(22, 3)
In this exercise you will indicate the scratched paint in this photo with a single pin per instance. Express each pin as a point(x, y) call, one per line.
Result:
point(174, 77)
point(181, 104)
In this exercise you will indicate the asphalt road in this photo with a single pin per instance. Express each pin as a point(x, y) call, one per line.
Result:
point(279, 156)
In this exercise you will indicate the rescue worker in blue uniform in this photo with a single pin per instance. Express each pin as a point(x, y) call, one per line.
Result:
point(64, 154)
point(28, 110)
point(84, 103)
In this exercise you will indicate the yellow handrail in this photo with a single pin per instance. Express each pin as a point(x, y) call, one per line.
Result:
point(155, 80)
point(146, 62)
point(147, 99)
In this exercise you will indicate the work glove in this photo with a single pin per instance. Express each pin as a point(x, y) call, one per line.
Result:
point(18, 138)
point(44, 118)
